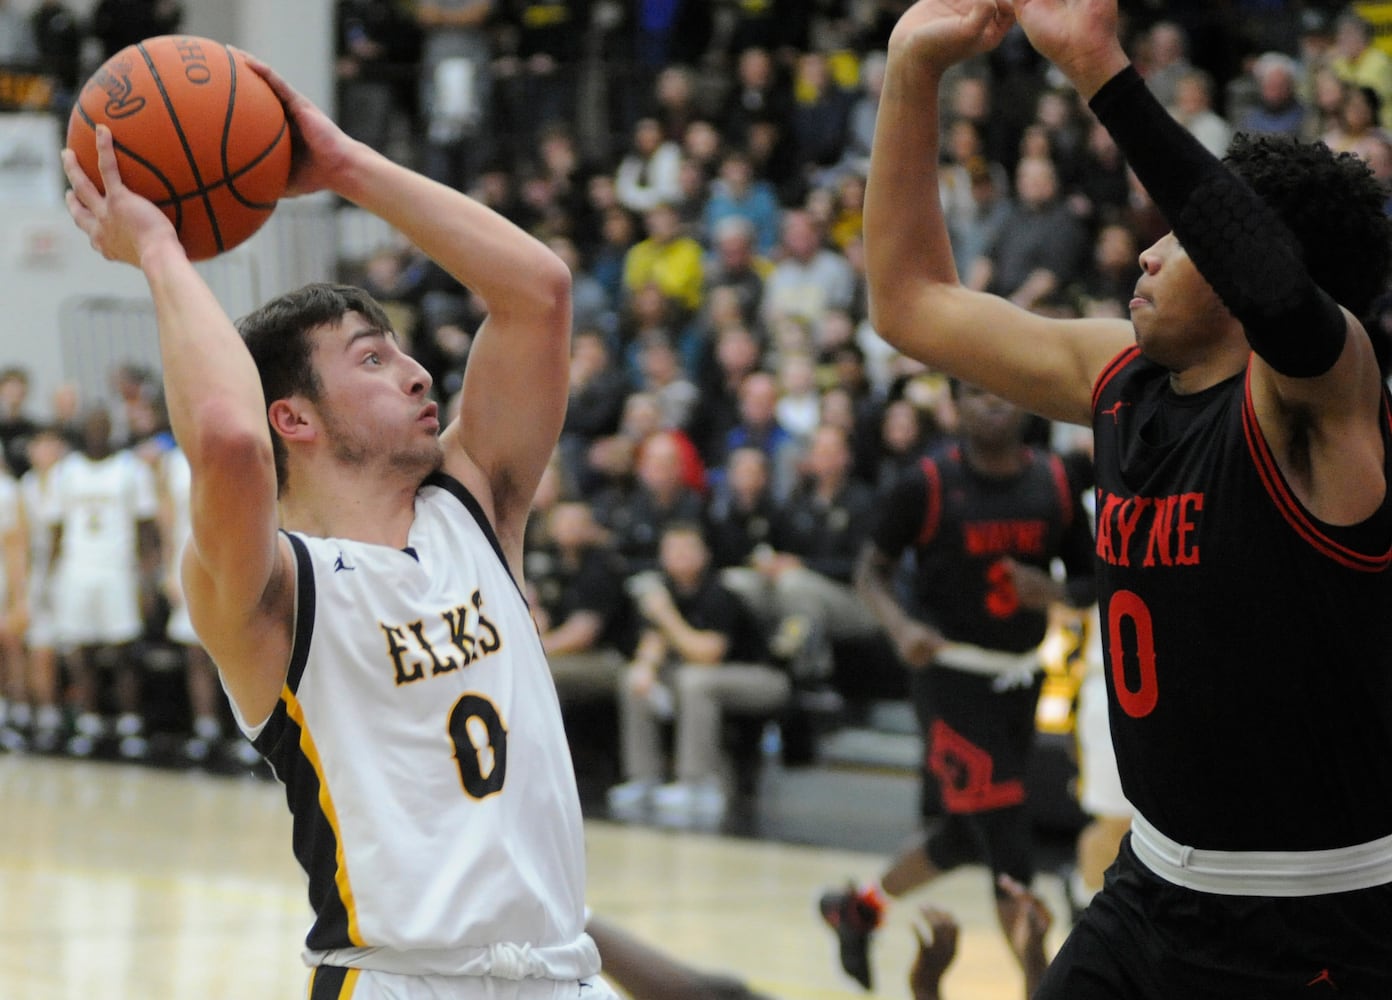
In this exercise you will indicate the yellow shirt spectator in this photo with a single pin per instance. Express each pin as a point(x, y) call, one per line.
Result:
point(666, 259)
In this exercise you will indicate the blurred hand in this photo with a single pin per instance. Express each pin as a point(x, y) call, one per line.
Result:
point(1027, 921)
point(1034, 588)
point(917, 644)
point(936, 950)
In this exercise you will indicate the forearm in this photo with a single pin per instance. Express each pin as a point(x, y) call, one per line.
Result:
point(873, 586)
point(1225, 227)
point(693, 645)
point(211, 384)
point(904, 224)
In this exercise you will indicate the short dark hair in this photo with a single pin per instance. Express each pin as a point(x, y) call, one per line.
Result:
point(1333, 205)
point(277, 335)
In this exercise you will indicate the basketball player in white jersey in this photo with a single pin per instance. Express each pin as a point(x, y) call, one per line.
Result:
point(106, 538)
point(173, 479)
point(37, 495)
point(378, 648)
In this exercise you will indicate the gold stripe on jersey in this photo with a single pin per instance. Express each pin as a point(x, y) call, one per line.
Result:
point(332, 983)
point(326, 806)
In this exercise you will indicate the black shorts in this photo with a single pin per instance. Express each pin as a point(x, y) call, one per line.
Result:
point(1143, 938)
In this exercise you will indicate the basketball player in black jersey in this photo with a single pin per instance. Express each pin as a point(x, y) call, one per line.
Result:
point(984, 519)
point(1245, 528)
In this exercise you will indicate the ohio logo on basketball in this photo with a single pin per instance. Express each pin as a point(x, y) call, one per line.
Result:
point(114, 78)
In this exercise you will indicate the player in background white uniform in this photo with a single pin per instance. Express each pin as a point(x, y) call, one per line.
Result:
point(379, 648)
point(173, 479)
point(15, 713)
point(37, 489)
point(105, 504)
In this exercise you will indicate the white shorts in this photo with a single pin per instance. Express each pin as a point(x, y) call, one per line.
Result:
point(1100, 784)
point(43, 630)
point(96, 606)
point(369, 984)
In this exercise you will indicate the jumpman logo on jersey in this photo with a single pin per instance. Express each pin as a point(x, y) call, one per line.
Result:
point(1114, 411)
point(1324, 977)
point(341, 564)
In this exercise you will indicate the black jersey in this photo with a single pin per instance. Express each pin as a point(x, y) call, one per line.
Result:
point(962, 525)
point(1248, 644)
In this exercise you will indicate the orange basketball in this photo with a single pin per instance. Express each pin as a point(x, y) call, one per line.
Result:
point(196, 131)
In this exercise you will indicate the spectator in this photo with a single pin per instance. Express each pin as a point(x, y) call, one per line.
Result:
point(799, 403)
point(589, 301)
point(821, 116)
point(974, 222)
point(808, 278)
point(456, 89)
point(118, 23)
point(1278, 109)
point(1038, 250)
point(598, 389)
point(736, 265)
point(740, 514)
point(1358, 119)
point(800, 587)
point(865, 108)
point(1193, 108)
point(58, 39)
point(648, 173)
point(735, 354)
point(1108, 283)
point(735, 192)
point(1359, 61)
point(1102, 187)
point(38, 498)
point(618, 234)
point(758, 427)
point(660, 497)
point(378, 50)
point(539, 81)
point(17, 427)
point(579, 604)
point(698, 655)
point(1166, 59)
point(901, 443)
point(759, 94)
point(665, 380)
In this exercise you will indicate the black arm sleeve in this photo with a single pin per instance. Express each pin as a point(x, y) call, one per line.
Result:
point(1249, 257)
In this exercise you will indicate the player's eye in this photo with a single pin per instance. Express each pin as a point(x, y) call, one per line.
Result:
point(373, 359)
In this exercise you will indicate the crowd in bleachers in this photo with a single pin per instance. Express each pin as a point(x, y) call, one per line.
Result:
point(701, 167)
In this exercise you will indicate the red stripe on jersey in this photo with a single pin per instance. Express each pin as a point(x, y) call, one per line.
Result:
point(932, 512)
point(1289, 506)
point(1061, 484)
point(1109, 372)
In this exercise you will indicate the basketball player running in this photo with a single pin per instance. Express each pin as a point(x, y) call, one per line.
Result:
point(984, 519)
point(1244, 526)
point(378, 649)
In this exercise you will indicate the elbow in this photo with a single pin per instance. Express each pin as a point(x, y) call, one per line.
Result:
point(549, 282)
point(225, 438)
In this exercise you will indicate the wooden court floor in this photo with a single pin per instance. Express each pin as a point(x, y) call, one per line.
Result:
point(127, 883)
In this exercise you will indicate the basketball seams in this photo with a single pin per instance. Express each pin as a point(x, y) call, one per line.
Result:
point(175, 199)
point(183, 141)
point(229, 175)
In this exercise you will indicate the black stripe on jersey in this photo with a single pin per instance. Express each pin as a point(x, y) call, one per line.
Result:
point(327, 982)
point(304, 612)
point(273, 731)
point(1117, 364)
point(461, 493)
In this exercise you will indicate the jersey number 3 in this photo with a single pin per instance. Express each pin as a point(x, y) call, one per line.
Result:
point(1137, 695)
point(480, 745)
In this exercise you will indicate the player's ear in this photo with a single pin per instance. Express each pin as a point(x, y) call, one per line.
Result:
point(292, 419)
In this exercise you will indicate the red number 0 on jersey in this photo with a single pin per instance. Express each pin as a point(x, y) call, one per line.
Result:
point(1138, 702)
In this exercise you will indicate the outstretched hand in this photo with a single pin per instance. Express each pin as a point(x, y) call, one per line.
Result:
point(320, 148)
point(1077, 36)
point(120, 224)
point(945, 32)
point(1027, 921)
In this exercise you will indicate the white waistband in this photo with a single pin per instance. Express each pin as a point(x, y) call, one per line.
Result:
point(502, 960)
point(989, 662)
point(1263, 873)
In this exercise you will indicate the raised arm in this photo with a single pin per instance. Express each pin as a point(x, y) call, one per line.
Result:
point(516, 384)
point(916, 302)
point(235, 568)
point(1315, 382)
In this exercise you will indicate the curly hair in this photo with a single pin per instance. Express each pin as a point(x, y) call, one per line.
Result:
point(278, 337)
point(1333, 205)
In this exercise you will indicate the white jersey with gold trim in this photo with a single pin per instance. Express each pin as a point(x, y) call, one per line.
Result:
point(425, 761)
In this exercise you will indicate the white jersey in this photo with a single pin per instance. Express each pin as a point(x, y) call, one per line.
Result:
point(178, 481)
point(420, 741)
point(99, 503)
